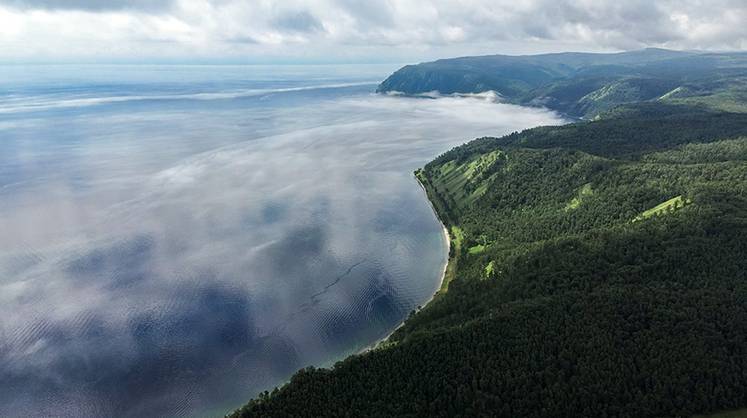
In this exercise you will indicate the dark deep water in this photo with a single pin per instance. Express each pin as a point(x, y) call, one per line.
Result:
point(174, 239)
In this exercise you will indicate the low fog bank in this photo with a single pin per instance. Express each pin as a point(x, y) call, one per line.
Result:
point(144, 269)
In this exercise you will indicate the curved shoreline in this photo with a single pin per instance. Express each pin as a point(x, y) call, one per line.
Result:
point(447, 238)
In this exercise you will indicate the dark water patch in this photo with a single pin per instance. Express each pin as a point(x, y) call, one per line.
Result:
point(121, 264)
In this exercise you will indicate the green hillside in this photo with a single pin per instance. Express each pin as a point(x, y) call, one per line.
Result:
point(601, 270)
point(585, 85)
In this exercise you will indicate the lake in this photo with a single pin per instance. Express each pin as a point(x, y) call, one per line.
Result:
point(175, 239)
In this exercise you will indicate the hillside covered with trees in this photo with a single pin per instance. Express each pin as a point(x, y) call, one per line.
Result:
point(586, 84)
point(601, 271)
point(597, 269)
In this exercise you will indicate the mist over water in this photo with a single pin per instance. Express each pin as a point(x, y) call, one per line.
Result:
point(175, 239)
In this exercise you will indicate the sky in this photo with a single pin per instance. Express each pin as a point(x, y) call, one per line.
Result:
point(355, 31)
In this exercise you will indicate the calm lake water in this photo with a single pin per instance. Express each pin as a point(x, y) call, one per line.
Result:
point(175, 239)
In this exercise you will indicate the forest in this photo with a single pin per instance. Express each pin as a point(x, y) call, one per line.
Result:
point(602, 272)
point(585, 85)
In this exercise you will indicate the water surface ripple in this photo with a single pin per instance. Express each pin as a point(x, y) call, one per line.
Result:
point(174, 239)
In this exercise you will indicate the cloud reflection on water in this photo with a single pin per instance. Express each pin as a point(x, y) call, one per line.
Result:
point(177, 260)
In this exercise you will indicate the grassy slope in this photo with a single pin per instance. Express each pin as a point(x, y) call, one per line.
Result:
point(663, 208)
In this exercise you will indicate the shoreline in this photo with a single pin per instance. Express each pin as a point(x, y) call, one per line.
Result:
point(447, 238)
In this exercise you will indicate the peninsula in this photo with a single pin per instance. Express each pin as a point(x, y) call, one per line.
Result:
point(597, 268)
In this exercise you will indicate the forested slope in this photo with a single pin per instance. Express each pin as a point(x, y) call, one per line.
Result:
point(586, 84)
point(602, 272)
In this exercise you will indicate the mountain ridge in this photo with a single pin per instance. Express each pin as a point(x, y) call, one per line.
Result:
point(581, 84)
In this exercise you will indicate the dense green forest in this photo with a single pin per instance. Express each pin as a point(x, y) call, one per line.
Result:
point(597, 269)
point(584, 84)
point(601, 271)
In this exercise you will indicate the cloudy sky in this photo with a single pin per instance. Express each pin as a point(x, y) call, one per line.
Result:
point(355, 30)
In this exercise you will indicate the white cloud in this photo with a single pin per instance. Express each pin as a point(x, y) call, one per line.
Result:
point(331, 30)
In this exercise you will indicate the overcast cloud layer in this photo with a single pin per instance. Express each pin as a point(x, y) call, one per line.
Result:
point(356, 30)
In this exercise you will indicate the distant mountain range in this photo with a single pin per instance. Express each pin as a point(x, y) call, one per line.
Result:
point(585, 84)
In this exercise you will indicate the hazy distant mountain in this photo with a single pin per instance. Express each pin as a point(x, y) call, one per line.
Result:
point(584, 84)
